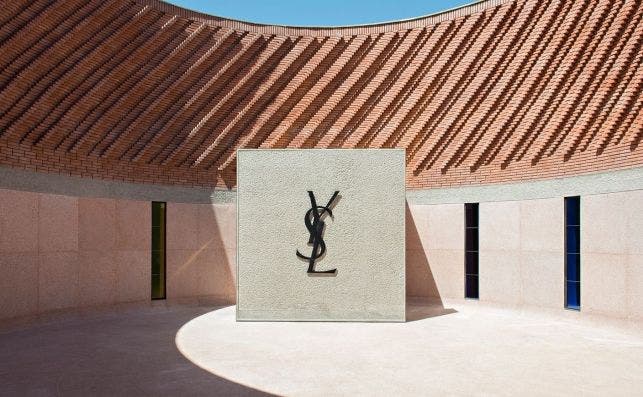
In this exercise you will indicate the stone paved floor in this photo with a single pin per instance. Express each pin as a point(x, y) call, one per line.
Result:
point(467, 350)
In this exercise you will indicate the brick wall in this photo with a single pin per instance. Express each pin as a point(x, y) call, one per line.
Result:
point(143, 91)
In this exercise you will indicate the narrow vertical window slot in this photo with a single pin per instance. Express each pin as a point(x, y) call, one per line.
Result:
point(158, 250)
point(471, 251)
point(572, 253)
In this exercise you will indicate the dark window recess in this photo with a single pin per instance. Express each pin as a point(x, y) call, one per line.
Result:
point(158, 250)
point(471, 250)
point(572, 253)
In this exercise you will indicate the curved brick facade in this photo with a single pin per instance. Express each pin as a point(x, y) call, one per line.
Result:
point(498, 91)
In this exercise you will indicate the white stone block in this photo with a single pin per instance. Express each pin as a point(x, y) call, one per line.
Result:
point(364, 239)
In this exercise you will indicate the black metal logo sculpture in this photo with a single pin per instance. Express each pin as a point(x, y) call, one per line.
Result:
point(315, 225)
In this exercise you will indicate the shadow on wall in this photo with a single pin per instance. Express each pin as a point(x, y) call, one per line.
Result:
point(422, 295)
point(202, 245)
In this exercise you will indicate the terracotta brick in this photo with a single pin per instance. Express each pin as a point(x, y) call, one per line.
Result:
point(498, 91)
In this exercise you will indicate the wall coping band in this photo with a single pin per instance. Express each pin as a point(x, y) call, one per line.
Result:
point(587, 184)
point(578, 185)
point(19, 179)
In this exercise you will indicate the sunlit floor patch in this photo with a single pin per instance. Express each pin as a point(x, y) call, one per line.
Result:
point(177, 350)
point(471, 351)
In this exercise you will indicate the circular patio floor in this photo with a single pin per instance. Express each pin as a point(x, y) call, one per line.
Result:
point(182, 350)
point(471, 350)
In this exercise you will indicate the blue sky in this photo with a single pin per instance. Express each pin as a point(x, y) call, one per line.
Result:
point(320, 13)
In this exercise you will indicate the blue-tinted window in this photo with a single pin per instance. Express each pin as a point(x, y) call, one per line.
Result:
point(573, 239)
point(572, 252)
point(573, 295)
point(573, 267)
point(572, 211)
point(471, 250)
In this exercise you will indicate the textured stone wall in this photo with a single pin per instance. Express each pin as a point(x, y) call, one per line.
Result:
point(201, 251)
point(61, 252)
point(612, 254)
point(364, 239)
point(435, 251)
point(64, 253)
point(522, 247)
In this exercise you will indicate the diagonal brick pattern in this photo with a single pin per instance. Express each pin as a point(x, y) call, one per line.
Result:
point(498, 91)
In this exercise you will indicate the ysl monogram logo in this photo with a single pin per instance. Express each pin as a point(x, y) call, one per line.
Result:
point(315, 225)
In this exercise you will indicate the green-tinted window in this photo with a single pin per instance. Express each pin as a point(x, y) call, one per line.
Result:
point(158, 250)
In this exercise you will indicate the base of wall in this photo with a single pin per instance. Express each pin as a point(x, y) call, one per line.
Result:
point(56, 316)
point(417, 308)
point(630, 324)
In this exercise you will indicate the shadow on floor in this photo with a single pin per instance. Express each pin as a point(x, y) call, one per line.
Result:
point(420, 309)
point(124, 354)
point(134, 353)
